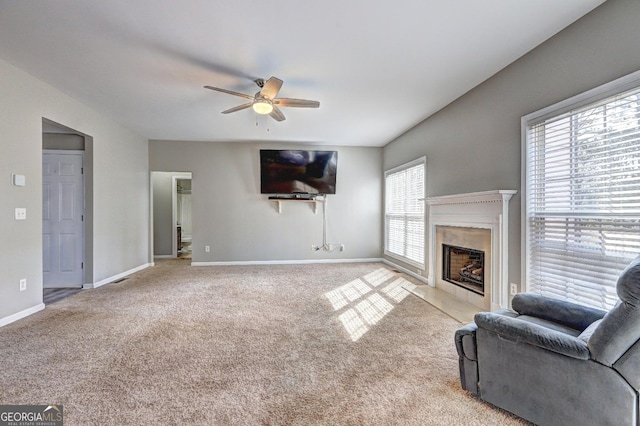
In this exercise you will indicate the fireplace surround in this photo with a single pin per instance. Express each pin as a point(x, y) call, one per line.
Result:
point(478, 221)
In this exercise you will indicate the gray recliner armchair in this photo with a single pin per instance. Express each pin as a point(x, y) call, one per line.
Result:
point(557, 363)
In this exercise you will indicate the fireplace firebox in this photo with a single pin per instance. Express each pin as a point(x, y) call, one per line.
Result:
point(463, 267)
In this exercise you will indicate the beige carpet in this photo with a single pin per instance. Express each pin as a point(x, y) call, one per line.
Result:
point(245, 345)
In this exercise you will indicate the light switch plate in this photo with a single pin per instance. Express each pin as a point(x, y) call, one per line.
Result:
point(18, 180)
point(21, 213)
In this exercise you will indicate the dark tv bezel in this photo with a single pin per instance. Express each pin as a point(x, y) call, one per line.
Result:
point(296, 194)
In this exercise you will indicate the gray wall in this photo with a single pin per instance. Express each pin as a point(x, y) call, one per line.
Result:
point(474, 143)
point(62, 141)
point(119, 162)
point(240, 224)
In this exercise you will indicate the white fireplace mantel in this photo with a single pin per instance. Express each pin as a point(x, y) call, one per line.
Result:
point(488, 210)
point(498, 195)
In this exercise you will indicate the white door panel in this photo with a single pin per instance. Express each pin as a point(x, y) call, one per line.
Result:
point(62, 222)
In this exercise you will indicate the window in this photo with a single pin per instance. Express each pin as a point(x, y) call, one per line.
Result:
point(404, 212)
point(582, 191)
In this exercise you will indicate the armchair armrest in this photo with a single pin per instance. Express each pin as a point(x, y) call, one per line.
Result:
point(465, 341)
point(566, 313)
point(533, 334)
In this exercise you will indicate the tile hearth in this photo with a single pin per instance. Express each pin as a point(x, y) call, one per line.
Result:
point(446, 302)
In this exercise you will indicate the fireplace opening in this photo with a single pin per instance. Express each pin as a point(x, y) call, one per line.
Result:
point(463, 267)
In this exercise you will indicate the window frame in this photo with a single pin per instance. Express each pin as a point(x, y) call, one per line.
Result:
point(600, 93)
point(422, 161)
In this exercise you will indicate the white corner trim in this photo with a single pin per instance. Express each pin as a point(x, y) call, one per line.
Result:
point(405, 270)
point(116, 277)
point(19, 315)
point(286, 262)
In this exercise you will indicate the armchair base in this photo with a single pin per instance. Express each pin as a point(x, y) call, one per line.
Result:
point(551, 389)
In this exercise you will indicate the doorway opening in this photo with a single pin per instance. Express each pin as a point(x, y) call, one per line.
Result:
point(183, 218)
point(67, 215)
point(171, 214)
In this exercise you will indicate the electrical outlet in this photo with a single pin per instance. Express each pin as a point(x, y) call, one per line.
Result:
point(23, 284)
point(207, 249)
point(514, 289)
point(315, 247)
point(341, 247)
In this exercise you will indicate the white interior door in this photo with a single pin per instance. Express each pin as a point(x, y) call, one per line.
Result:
point(62, 219)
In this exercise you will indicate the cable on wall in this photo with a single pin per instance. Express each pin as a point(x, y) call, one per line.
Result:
point(325, 245)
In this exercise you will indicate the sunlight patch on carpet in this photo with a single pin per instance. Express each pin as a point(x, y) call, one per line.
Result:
point(343, 295)
point(354, 325)
point(397, 290)
point(368, 312)
point(361, 310)
point(374, 308)
point(379, 276)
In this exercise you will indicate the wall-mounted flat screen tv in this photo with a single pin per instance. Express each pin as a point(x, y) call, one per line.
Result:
point(292, 171)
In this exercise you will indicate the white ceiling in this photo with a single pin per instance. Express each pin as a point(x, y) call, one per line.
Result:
point(377, 67)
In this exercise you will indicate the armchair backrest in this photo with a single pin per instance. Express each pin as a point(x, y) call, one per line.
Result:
point(619, 330)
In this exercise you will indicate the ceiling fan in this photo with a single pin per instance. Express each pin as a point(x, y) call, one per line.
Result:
point(265, 101)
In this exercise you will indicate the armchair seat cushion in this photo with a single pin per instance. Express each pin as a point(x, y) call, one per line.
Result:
point(550, 325)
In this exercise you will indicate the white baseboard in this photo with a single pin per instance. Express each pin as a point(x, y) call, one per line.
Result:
point(19, 315)
point(286, 262)
point(406, 271)
point(116, 277)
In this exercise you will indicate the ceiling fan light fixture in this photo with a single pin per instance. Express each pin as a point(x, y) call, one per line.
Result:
point(262, 106)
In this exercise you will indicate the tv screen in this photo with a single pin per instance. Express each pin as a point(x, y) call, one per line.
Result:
point(293, 171)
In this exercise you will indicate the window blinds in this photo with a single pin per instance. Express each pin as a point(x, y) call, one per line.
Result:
point(583, 200)
point(404, 213)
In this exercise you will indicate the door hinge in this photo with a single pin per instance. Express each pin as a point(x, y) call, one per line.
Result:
point(81, 170)
point(81, 265)
point(81, 218)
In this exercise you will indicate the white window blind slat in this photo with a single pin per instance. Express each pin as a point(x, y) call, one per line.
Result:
point(583, 199)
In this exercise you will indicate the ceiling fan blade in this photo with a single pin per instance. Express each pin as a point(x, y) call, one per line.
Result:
point(296, 103)
point(237, 108)
point(271, 88)
point(277, 115)
point(230, 92)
